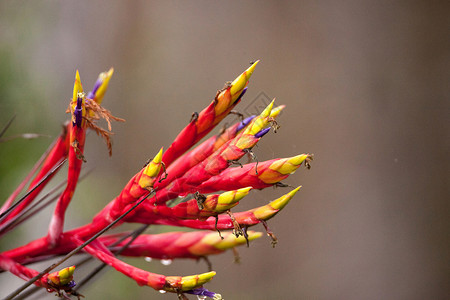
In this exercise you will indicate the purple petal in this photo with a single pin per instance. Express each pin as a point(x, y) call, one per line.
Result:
point(97, 84)
point(78, 113)
point(202, 292)
point(245, 122)
point(242, 94)
point(262, 132)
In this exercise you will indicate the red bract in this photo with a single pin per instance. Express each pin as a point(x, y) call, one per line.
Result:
point(152, 196)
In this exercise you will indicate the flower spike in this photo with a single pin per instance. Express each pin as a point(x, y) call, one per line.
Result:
point(199, 172)
point(258, 176)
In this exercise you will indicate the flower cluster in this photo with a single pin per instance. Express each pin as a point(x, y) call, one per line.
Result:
point(184, 186)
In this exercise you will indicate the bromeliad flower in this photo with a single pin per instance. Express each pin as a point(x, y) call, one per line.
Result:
point(206, 177)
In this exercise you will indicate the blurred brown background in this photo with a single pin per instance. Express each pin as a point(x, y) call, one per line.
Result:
point(365, 87)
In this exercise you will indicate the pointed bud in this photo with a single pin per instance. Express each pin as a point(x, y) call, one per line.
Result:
point(186, 283)
point(233, 196)
point(62, 277)
point(151, 171)
point(276, 111)
point(261, 121)
point(231, 241)
point(104, 78)
point(268, 211)
point(77, 87)
point(288, 165)
point(241, 81)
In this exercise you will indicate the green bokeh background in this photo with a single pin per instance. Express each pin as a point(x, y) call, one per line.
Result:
point(366, 88)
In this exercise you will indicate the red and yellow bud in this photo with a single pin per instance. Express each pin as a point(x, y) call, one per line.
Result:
point(62, 277)
point(175, 245)
point(151, 172)
point(227, 200)
point(227, 241)
point(258, 176)
point(186, 283)
point(278, 170)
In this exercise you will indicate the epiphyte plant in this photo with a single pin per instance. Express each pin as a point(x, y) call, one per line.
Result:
point(184, 186)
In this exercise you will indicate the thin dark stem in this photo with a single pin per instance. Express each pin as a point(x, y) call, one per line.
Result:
point(94, 272)
point(34, 209)
point(11, 208)
point(36, 166)
point(28, 293)
point(74, 251)
point(7, 125)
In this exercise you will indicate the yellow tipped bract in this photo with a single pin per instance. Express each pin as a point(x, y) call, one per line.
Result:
point(151, 171)
point(229, 241)
point(281, 202)
point(77, 87)
point(104, 77)
point(288, 165)
point(241, 81)
point(231, 197)
point(260, 121)
point(266, 112)
point(276, 111)
point(153, 168)
point(193, 281)
point(63, 276)
point(268, 211)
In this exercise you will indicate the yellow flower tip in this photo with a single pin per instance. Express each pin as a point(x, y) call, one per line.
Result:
point(253, 235)
point(193, 281)
point(231, 197)
point(297, 160)
point(63, 276)
point(267, 111)
point(77, 87)
point(288, 165)
point(281, 202)
point(241, 81)
point(260, 121)
point(241, 193)
point(264, 212)
point(276, 111)
point(158, 158)
point(153, 168)
point(104, 78)
point(230, 240)
point(110, 72)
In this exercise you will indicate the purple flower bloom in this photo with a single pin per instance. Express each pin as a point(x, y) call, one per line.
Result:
point(245, 122)
point(97, 84)
point(262, 132)
point(204, 292)
point(78, 113)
